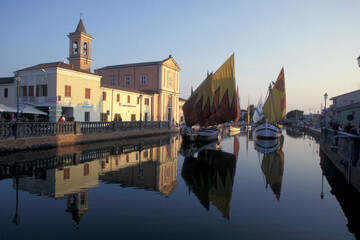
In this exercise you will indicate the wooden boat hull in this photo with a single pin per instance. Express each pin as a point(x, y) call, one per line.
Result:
point(234, 129)
point(267, 131)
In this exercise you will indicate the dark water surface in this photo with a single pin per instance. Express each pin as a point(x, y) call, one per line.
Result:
point(147, 189)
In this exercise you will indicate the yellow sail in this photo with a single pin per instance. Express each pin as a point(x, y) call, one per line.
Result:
point(214, 101)
point(275, 105)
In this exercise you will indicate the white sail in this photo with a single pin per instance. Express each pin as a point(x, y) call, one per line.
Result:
point(259, 113)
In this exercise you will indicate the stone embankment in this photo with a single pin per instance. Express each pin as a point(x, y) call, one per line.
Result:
point(23, 136)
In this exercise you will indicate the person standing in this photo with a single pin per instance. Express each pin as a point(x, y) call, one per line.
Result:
point(62, 118)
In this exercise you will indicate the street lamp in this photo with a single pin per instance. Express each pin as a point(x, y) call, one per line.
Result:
point(325, 97)
point(17, 79)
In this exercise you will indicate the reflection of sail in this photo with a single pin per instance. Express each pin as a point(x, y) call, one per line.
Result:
point(273, 169)
point(210, 176)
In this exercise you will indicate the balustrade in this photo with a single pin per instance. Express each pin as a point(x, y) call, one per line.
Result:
point(32, 129)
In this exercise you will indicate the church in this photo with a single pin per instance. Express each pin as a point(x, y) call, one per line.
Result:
point(129, 92)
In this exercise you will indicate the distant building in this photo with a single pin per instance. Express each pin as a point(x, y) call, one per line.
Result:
point(7, 91)
point(181, 112)
point(346, 108)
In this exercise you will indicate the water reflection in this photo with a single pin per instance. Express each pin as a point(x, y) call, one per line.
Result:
point(345, 194)
point(210, 176)
point(145, 163)
point(272, 164)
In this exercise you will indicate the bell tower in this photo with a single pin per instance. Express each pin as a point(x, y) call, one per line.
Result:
point(80, 48)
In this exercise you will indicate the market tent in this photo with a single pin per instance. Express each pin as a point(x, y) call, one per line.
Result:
point(31, 110)
point(4, 108)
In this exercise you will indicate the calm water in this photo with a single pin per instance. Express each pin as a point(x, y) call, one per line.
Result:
point(147, 189)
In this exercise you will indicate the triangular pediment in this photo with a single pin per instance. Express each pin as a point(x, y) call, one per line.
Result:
point(170, 62)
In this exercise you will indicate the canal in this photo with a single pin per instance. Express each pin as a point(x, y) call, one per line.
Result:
point(154, 188)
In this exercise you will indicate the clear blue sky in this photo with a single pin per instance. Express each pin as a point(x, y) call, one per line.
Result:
point(317, 41)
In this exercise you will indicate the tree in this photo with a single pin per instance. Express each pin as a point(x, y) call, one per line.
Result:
point(294, 114)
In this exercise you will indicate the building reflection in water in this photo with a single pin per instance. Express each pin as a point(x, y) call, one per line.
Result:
point(148, 163)
point(210, 176)
point(272, 164)
point(345, 193)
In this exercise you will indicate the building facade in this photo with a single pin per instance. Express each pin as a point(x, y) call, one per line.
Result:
point(346, 108)
point(7, 91)
point(58, 87)
point(160, 78)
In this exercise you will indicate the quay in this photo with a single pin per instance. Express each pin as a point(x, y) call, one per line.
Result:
point(24, 136)
point(342, 149)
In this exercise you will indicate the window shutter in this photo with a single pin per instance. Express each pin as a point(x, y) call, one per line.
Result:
point(45, 90)
point(37, 90)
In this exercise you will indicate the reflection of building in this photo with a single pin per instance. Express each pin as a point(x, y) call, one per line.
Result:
point(154, 168)
point(77, 205)
point(150, 164)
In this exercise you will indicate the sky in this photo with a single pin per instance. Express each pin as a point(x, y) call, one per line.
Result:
point(316, 41)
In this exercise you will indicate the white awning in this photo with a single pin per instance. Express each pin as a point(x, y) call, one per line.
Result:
point(4, 108)
point(31, 110)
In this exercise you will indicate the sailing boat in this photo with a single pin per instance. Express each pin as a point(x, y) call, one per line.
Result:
point(236, 129)
point(259, 113)
point(274, 109)
point(212, 103)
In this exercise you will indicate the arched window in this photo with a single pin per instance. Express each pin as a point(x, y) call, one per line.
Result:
point(85, 49)
point(75, 48)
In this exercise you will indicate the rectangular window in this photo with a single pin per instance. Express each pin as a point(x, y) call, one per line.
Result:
point(37, 90)
point(23, 91)
point(133, 117)
point(112, 80)
point(66, 173)
point(104, 96)
point(146, 101)
point(118, 98)
point(128, 99)
point(31, 91)
point(138, 100)
point(87, 93)
point(86, 169)
point(170, 80)
point(67, 91)
point(143, 80)
point(42, 91)
point(6, 92)
point(127, 80)
point(103, 117)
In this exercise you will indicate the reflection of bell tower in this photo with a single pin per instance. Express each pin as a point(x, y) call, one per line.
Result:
point(77, 205)
point(80, 48)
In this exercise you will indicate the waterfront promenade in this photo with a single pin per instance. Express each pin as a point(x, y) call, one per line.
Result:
point(342, 149)
point(23, 136)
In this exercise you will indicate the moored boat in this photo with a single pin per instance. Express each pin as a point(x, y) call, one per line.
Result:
point(274, 110)
point(212, 103)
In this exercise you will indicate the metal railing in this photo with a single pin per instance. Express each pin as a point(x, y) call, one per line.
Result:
point(31, 129)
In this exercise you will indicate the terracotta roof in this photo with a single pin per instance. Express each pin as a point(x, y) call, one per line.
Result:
point(56, 64)
point(149, 92)
point(80, 27)
point(135, 64)
point(6, 80)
